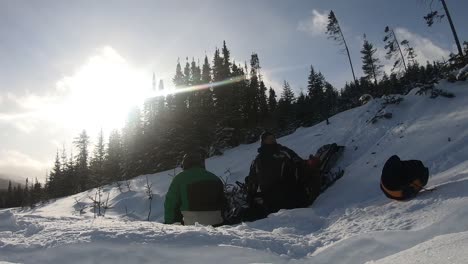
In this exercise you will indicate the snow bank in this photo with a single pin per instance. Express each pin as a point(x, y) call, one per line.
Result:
point(353, 222)
point(7, 221)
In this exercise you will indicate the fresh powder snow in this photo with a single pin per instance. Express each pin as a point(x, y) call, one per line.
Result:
point(352, 222)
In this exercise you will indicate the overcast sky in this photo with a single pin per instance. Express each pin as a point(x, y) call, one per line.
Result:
point(55, 54)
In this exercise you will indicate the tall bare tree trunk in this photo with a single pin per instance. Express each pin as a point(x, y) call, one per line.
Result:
point(460, 51)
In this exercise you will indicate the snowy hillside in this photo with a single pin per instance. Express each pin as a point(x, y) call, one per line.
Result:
point(353, 222)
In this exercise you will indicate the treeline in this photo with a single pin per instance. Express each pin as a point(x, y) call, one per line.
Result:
point(19, 196)
point(217, 105)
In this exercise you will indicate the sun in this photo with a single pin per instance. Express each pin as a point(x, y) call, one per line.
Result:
point(102, 91)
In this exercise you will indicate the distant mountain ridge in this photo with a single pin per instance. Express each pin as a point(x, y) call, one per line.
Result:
point(4, 182)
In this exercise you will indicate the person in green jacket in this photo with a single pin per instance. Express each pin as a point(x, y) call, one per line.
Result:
point(195, 195)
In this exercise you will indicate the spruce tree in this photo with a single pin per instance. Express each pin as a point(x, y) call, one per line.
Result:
point(114, 158)
point(251, 100)
point(97, 162)
point(81, 143)
point(315, 95)
point(206, 93)
point(55, 178)
point(370, 63)
point(329, 101)
point(180, 103)
point(132, 144)
point(262, 100)
point(272, 103)
point(285, 107)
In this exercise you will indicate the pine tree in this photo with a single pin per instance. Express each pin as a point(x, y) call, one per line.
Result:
point(206, 94)
point(315, 96)
point(114, 158)
point(26, 195)
point(180, 104)
point(161, 101)
point(82, 143)
point(9, 197)
point(272, 103)
point(262, 100)
point(287, 95)
point(334, 32)
point(133, 145)
point(285, 107)
point(97, 162)
point(251, 100)
point(55, 178)
point(218, 77)
point(393, 49)
point(370, 63)
point(410, 53)
point(329, 101)
point(226, 67)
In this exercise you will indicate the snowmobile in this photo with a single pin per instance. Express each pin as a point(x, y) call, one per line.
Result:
point(238, 208)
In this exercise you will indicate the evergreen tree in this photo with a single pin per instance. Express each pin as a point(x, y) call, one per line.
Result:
point(133, 145)
point(370, 63)
point(262, 100)
point(97, 162)
point(285, 107)
point(252, 93)
point(334, 32)
point(410, 53)
point(329, 101)
point(180, 104)
point(26, 195)
point(9, 196)
point(114, 158)
point(315, 88)
point(206, 94)
point(272, 103)
point(55, 178)
point(226, 66)
point(82, 143)
point(302, 109)
point(393, 49)
point(219, 98)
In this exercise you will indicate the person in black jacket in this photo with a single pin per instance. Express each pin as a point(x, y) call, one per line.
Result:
point(403, 179)
point(273, 178)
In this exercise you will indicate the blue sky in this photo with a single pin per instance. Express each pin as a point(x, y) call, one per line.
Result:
point(49, 48)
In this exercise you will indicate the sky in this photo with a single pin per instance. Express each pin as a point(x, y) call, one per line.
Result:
point(66, 66)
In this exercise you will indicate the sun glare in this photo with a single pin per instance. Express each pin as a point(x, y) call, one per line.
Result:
point(102, 91)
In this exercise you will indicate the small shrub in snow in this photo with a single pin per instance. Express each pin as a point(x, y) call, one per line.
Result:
point(434, 92)
point(392, 99)
point(439, 92)
point(79, 206)
point(149, 194)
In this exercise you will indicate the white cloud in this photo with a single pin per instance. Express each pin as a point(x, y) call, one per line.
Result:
point(425, 49)
point(316, 24)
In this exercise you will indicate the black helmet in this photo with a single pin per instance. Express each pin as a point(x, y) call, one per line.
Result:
point(193, 159)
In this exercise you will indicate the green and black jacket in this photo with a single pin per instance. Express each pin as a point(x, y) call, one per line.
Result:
point(195, 189)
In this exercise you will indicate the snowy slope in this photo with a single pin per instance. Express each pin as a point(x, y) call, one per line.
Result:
point(353, 222)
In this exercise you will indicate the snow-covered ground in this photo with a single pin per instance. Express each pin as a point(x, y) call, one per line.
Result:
point(353, 222)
